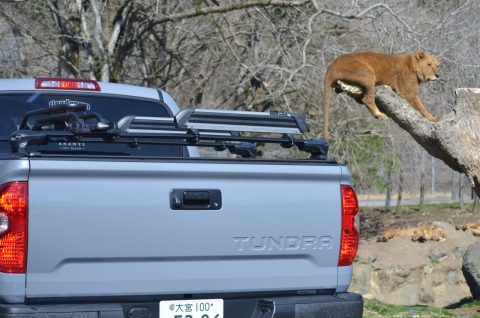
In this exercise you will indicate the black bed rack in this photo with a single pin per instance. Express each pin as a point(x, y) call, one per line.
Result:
point(237, 131)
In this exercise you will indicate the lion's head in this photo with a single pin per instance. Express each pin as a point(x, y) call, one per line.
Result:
point(426, 66)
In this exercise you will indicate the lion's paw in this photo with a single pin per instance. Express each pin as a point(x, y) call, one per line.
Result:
point(381, 116)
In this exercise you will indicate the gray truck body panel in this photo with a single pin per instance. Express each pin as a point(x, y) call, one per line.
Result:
point(103, 228)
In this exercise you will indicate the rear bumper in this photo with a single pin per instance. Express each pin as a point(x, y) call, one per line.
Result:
point(344, 305)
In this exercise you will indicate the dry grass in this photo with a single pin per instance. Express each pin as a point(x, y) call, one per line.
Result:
point(375, 309)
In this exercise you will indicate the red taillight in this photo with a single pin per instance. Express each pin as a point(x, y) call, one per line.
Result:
point(67, 83)
point(13, 227)
point(349, 241)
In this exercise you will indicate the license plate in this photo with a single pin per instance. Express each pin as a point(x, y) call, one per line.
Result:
point(199, 308)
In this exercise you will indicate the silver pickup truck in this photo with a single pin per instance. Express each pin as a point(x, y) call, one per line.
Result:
point(107, 210)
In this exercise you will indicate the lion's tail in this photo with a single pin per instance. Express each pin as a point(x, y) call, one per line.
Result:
point(327, 92)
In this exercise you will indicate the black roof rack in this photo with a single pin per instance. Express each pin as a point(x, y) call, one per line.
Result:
point(219, 129)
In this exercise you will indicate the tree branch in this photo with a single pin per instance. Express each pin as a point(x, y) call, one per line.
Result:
point(27, 33)
point(230, 8)
point(98, 35)
point(86, 34)
point(217, 10)
point(455, 139)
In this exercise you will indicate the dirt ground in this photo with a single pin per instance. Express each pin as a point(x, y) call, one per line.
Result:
point(374, 221)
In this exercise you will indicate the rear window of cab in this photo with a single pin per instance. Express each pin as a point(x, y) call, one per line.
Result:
point(13, 107)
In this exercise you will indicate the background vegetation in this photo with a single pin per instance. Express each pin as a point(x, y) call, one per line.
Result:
point(263, 55)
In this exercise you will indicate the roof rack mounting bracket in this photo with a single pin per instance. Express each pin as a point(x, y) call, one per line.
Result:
point(193, 136)
point(243, 149)
point(318, 148)
point(289, 141)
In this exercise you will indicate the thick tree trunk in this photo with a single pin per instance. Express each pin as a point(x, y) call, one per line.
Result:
point(422, 185)
point(460, 191)
point(388, 197)
point(453, 187)
point(455, 139)
point(400, 192)
point(475, 202)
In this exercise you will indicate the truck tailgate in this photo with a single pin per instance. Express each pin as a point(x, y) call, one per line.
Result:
point(103, 228)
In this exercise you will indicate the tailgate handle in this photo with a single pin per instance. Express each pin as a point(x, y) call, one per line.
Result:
point(195, 199)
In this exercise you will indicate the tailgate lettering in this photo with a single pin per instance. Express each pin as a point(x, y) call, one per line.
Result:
point(282, 243)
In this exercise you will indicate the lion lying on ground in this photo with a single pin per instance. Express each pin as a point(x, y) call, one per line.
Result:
point(417, 234)
point(358, 73)
point(473, 227)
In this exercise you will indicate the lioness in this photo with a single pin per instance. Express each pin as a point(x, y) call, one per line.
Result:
point(473, 227)
point(418, 234)
point(403, 73)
